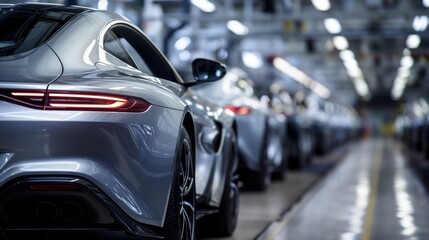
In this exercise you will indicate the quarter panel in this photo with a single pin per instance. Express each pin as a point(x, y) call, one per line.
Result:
point(129, 156)
point(39, 66)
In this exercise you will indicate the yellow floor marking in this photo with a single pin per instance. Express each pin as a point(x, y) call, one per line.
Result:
point(375, 177)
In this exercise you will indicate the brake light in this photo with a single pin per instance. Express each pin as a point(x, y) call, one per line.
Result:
point(27, 94)
point(33, 99)
point(238, 110)
point(78, 101)
point(67, 100)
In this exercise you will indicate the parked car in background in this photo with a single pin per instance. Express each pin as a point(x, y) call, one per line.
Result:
point(298, 124)
point(314, 126)
point(412, 125)
point(260, 145)
point(99, 134)
point(278, 124)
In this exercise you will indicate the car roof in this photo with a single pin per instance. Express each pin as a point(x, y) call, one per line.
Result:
point(34, 7)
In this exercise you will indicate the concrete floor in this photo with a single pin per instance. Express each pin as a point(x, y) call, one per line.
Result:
point(259, 209)
point(372, 194)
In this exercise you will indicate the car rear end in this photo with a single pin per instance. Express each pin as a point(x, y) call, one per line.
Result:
point(74, 160)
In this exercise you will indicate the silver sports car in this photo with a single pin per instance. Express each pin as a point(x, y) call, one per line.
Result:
point(99, 132)
point(261, 134)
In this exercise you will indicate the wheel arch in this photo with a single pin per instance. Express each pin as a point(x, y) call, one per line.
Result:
point(236, 151)
point(188, 124)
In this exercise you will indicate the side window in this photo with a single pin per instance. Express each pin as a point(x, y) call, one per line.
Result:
point(141, 65)
point(123, 50)
point(113, 45)
point(129, 45)
point(22, 31)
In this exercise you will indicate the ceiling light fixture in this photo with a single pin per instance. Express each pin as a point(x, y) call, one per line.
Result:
point(420, 23)
point(425, 3)
point(251, 59)
point(407, 61)
point(361, 87)
point(182, 43)
point(102, 4)
point(406, 52)
point(321, 5)
point(340, 43)
point(413, 41)
point(185, 55)
point(402, 76)
point(237, 27)
point(355, 73)
point(332, 25)
point(346, 55)
point(398, 87)
point(204, 5)
point(351, 64)
point(404, 72)
point(302, 78)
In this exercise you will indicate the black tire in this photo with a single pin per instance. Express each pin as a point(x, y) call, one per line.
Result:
point(224, 222)
point(280, 172)
point(181, 216)
point(298, 159)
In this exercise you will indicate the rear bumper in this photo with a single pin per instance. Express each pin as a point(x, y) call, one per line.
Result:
point(46, 204)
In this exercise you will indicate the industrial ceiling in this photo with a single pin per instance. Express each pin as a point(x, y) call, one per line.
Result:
point(357, 49)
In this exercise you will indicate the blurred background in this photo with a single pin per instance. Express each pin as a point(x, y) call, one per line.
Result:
point(367, 54)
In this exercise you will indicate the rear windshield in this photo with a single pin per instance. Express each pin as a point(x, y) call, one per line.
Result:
point(21, 31)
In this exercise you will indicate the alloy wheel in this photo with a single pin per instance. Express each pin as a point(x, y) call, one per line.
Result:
point(187, 194)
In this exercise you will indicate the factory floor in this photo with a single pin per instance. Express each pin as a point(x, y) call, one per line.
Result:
point(364, 190)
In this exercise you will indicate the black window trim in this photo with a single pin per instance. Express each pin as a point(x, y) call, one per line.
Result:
point(147, 50)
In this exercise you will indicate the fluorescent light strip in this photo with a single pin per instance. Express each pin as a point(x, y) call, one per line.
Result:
point(420, 23)
point(402, 76)
point(340, 43)
point(237, 27)
point(321, 5)
point(413, 41)
point(355, 73)
point(251, 59)
point(204, 5)
point(301, 77)
point(332, 25)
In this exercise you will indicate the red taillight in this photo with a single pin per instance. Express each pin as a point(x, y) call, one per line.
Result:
point(79, 101)
point(238, 110)
point(33, 99)
point(28, 94)
point(84, 101)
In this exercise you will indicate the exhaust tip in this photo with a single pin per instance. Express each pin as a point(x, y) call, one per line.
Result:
point(71, 211)
point(47, 211)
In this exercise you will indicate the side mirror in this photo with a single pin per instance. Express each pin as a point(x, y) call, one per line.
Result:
point(205, 70)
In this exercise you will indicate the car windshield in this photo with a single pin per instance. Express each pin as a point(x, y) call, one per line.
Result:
point(21, 31)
